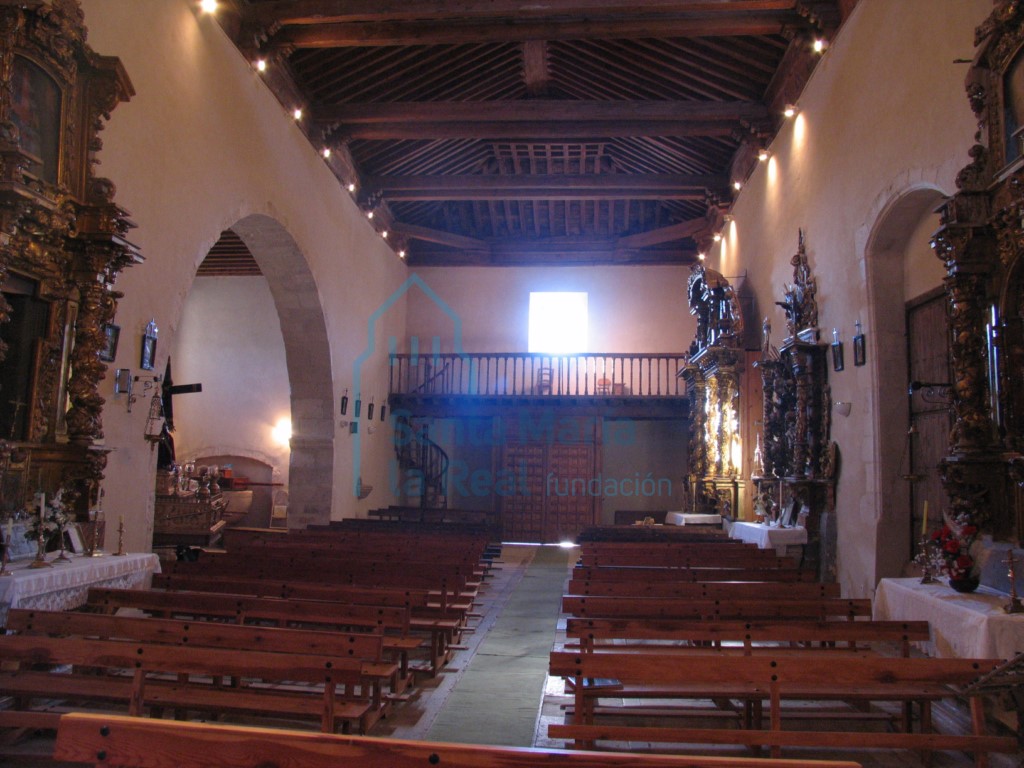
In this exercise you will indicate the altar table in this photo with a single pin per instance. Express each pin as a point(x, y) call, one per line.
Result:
point(692, 518)
point(969, 625)
point(769, 537)
point(65, 585)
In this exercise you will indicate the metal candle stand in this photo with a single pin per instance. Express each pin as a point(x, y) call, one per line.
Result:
point(1014, 606)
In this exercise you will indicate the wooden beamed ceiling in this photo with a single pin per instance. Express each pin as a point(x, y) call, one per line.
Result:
point(539, 131)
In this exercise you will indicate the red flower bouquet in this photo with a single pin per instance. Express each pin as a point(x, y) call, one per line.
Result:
point(952, 544)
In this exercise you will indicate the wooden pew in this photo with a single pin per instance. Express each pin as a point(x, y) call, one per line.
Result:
point(127, 742)
point(441, 619)
point(783, 575)
point(449, 580)
point(205, 634)
point(704, 589)
point(583, 606)
point(132, 676)
point(619, 635)
point(393, 622)
point(649, 533)
point(814, 677)
point(759, 558)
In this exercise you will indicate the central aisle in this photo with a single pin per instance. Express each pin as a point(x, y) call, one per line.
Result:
point(498, 696)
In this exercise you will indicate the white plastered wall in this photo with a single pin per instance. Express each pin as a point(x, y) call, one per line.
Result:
point(883, 116)
point(201, 147)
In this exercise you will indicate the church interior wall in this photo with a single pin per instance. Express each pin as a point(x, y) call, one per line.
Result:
point(884, 112)
point(201, 146)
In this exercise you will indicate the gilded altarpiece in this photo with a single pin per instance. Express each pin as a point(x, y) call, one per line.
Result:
point(62, 244)
point(981, 245)
point(796, 477)
point(712, 387)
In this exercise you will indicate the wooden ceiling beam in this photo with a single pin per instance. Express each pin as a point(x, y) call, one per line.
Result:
point(663, 235)
point(585, 251)
point(548, 187)
point(567, 131)
point(535, 110)
point(536, 70)
point(506, 30)
point(332, 12)
point(450, 239)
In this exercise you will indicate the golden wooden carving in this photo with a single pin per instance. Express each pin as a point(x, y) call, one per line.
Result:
point(63, 241)
point(980, 243)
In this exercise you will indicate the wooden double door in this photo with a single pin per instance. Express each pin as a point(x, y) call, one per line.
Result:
point(557, 488)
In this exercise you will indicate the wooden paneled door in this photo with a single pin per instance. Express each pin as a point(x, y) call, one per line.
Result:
point(557, 490)
point(930, 414)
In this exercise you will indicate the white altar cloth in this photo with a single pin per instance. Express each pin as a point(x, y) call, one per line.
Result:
point(768, 537)
point(969, 625)
point(66, 585)
point(692, 518)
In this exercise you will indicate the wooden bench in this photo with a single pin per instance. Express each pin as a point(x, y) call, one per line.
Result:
point(124, 742)
point(727, 557)
point(808, 677)
point(618, 635)
point(662, 573)
point(703, 589)
point(583, 606)
point(149, 676)
point(392, 622)
point(206, 634)
point(431, 613)
point(649, 533)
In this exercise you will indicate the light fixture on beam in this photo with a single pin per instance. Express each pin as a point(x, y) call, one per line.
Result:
point(790, 111)
point(763, 154)
point(208, 6)
point(261, 65)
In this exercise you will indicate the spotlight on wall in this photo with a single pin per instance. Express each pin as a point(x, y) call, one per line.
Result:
point(208, 6)
point(842, 407)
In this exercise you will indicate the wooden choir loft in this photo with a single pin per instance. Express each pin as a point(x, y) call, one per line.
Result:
point(273, 382)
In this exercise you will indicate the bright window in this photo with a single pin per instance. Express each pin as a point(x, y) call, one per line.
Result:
point(558, 322)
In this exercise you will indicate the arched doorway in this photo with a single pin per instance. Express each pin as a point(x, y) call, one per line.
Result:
point(904, 281)
point(260, 342)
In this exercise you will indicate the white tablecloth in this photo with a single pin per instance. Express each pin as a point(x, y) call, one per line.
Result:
point(65, 585)
point(691, 518)
point(767, 537)
point(963, 625)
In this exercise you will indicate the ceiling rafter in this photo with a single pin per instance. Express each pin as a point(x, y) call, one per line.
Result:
point(538, 131)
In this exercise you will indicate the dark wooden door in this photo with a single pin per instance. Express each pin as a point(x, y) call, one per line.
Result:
point(558, 483)
point(930, 413)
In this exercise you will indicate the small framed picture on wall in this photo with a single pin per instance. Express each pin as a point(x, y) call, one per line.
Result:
point(111, 335)
point(148, 359)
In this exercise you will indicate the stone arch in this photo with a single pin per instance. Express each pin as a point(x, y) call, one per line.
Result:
point(308, 358)
point(898, 218)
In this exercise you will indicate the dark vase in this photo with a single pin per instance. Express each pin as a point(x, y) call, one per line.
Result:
point(966, 584)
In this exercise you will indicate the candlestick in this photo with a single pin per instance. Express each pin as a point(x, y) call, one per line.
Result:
point(120, 539)
point(5, 558)
point(924, 520)
point(40, 561)
point(1014, 606)
point(94, 550)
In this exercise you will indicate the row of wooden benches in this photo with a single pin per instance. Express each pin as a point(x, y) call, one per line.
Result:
point(277, 645)
point(677, 640)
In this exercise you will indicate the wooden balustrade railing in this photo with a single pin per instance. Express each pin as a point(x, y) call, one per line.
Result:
point(517, 373)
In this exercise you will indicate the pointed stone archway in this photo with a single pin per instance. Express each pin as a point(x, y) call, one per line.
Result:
point(308, 358)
